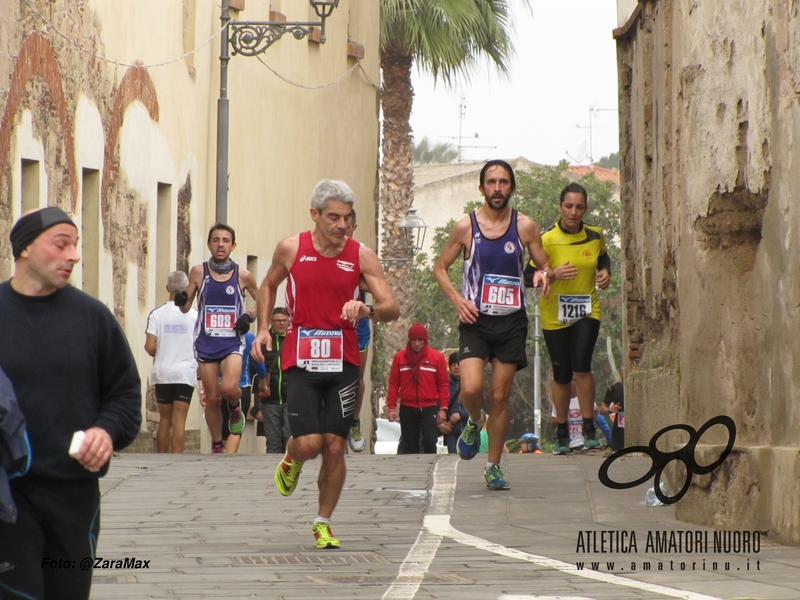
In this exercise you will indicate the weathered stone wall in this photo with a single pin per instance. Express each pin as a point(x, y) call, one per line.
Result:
point(709, 109)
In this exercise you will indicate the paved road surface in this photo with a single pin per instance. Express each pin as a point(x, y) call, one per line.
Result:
point(412, 527)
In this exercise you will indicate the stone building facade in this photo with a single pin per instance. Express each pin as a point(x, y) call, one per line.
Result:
point(708, 112)
point(108, 110)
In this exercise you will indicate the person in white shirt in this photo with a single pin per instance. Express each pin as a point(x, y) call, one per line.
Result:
point(170, 342)
point(574, 422)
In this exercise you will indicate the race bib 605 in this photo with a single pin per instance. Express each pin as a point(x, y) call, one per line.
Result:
point(500, 294)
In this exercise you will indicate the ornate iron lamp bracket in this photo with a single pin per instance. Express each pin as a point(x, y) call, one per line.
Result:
point(250, 38)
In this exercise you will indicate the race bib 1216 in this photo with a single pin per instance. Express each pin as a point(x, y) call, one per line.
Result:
point(572, 309)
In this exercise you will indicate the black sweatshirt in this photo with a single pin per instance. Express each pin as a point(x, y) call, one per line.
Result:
point(72, 369)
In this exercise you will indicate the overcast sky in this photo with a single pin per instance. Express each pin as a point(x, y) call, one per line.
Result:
point(565, 63)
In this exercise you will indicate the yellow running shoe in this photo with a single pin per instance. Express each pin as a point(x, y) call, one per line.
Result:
point(287, 474)
point(324, 537)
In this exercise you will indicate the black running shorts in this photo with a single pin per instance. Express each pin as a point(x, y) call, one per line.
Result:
point(502, 337)
point(167, 393)
point(571, 348)
point(321, 402)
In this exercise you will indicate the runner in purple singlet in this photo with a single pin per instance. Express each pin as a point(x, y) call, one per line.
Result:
point(219, 285)
point(491, 307)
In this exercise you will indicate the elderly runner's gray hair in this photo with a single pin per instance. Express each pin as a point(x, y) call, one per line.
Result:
point(177, 281)
point(331, 189)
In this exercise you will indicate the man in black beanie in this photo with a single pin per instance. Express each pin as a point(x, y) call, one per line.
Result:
point(72, 371)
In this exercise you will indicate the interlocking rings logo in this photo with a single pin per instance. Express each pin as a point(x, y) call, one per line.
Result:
point(662, 459)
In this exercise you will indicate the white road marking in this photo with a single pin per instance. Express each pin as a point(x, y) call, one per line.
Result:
point(436, 526)
point(419, 557)
point(414, 567)
point(440, 525)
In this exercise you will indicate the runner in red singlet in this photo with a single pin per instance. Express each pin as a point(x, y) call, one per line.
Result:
point(320, 355)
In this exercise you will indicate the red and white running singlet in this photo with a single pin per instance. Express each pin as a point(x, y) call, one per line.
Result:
point(316, 290)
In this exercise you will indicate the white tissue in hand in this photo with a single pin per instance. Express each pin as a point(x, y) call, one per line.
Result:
point(77, 442)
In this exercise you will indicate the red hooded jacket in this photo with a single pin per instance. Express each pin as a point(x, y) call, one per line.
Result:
point(432, 387)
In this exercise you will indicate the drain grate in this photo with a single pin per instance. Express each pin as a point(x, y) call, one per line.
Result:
point(331, 558)
point(442, 579)
point(114, 579)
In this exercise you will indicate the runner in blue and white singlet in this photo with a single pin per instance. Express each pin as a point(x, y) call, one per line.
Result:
point(219, 305)
point(493, 270)
point(491, 308)
point(219, 286)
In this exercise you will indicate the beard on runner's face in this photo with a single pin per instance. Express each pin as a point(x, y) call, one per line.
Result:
point(497, 195)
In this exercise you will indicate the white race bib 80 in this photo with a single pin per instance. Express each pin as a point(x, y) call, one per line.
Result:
point(320, 350)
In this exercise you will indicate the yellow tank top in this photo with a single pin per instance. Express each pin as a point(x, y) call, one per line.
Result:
point(573, 299)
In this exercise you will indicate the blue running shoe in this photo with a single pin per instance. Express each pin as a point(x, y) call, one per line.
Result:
point(495, 480)
point(470, 441)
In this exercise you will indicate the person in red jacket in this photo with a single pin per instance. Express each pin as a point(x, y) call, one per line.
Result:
point(419, 380)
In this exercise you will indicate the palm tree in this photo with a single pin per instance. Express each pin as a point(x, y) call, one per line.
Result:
point(440, 153)
point(447, 38)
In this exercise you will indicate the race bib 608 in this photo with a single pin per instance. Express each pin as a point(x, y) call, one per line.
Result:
point(220, 320)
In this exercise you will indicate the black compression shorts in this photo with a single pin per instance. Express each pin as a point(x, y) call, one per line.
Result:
point(167, 393)
point(321, 402)
point(502, 337)
point(571, 348)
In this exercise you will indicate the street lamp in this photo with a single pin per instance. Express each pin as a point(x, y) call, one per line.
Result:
point(251, 38)
point(416, 227)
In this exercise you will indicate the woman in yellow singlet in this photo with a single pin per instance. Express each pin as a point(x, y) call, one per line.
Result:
point(571, 313)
